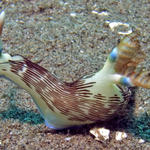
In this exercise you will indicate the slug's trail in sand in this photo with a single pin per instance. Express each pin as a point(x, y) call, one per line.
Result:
point(87, 100)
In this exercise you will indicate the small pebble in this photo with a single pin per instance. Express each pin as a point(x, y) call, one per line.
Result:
point(101, 134)
point(81, 51)
point(103, 13)
point(114, 25)
point(73, 14)
point(120, 136)
point(141, 141)
point(67, 138)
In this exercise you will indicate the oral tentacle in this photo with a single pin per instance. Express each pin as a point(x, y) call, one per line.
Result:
point(121, 80)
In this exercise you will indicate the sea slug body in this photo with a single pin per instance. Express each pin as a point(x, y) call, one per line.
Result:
point(98, 97)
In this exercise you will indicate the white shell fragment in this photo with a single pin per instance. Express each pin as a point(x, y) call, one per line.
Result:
point(67, 138)
point(141, 141)
point(73, 14)
point(101, 134)
point(103, 13)
point(120, 136)
point(114, 25)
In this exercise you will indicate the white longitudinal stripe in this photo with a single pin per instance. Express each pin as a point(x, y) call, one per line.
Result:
point(106, 105)
point(59, 87)
point(47, 89)
point(111, 111)
point(86, 111)
point(42, 78)
point(50, 83)
point(48, 98)
point(24, 69)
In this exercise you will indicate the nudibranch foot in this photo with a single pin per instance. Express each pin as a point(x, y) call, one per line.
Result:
point(51, 126)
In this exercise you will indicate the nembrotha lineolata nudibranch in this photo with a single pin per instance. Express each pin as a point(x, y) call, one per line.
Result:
point(87, 100)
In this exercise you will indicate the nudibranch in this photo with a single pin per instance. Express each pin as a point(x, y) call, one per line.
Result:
point(90, 99)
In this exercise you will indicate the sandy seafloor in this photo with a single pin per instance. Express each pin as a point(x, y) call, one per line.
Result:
point(70, 41)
